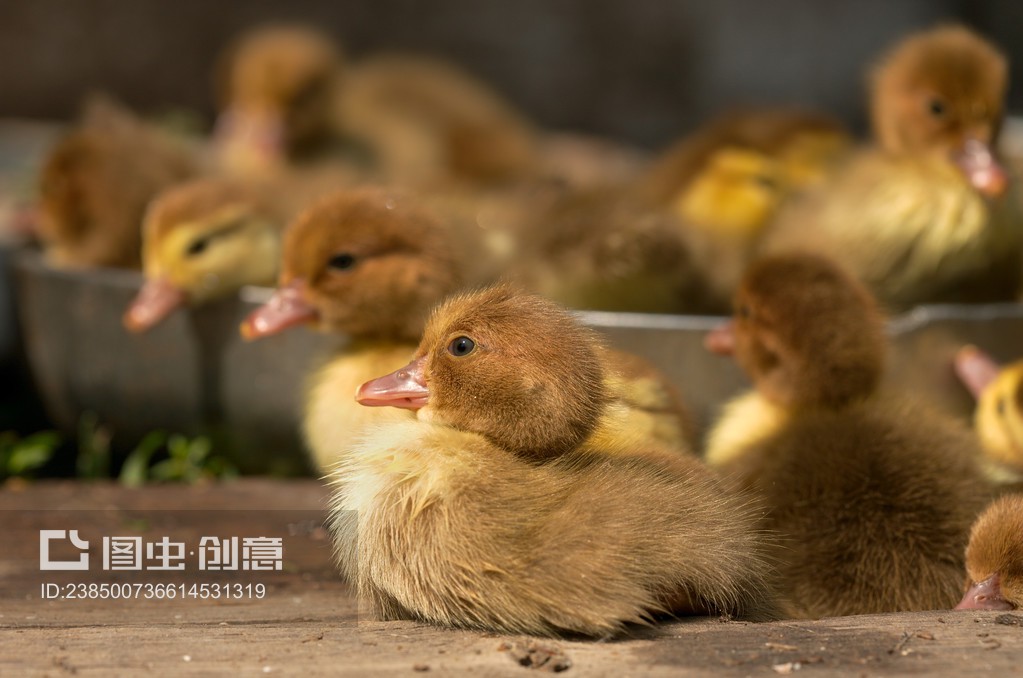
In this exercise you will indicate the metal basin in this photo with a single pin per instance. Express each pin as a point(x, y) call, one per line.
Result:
point(195, 374)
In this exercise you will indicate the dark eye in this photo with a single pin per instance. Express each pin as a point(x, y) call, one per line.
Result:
point(1000, 406)
point(936, 107)
point(743, 311)
point(197, 247)
point(461, 346)
point(342, 262)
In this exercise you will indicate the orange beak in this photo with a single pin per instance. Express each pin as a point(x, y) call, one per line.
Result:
point(154, 302)
point(976, 369)
point(405, 388)
point(286, 308)
point(721, 340)
point(982, 170)
point(985, 595)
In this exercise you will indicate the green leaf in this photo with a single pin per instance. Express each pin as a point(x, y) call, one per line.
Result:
point(135, 470)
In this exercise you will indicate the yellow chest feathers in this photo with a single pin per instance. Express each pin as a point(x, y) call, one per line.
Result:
point(745, 420)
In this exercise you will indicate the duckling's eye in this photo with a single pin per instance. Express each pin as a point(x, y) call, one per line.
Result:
point(461, 346)
point(1000, 406)
point(936, 107)
point(342, 262)
point(197, 247)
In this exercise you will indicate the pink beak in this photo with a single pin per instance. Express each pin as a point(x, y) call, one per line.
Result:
point(721, 340)
point(983, 171)
point(286, 308)
point(154, 302)
point(985, 595)
point(976, 369)
point(405, 388)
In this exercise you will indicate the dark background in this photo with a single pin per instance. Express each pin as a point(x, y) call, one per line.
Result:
point(639, 70)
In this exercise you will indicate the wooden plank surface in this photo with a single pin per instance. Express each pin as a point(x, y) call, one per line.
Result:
point(309, 624)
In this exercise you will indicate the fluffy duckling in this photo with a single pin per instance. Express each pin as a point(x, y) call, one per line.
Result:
point(998, 419)
point(95, 184)
point(204, 240)
point(369, 263)
point(922, 217)
point(778, 148)
point(872, 496)
point(277, 87)
point(604, 250)
point(429, 121)
point(994, 558)
point(470, 516)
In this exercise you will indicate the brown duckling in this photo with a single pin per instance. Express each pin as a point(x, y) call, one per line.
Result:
point(470, 515)
point(998, 419)
point(923, 216)
point(429, 121)
point(872, 496)
point(95, 184)
point(368, 263)
point(277, 89)
point(994, 558)
point(604, 250)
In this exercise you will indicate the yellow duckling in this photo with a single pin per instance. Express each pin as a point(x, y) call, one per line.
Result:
point(470, 515)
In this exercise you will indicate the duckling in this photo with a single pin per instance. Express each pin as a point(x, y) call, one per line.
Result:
point(871, 495)
point(994, 558)
point(369, 263)
point(429, 122)
point(604, 250)
point(95, 184)
point(277, 87)
point(469, 516)
point(998, 419)
point(786, 147)
point(204, 240)
point(923, 216)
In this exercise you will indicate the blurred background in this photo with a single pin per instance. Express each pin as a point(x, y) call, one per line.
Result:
point(641, 71)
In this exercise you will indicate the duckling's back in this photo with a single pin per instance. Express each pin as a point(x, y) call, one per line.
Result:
point(872, 505)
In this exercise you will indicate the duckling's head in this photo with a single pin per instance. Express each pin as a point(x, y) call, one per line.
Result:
point(942, 91)
point(367, 262)
point(999, 415)
point(805, 331)
point(512, 367)
point(994, 558)
point(203, 240)
point(277, 92)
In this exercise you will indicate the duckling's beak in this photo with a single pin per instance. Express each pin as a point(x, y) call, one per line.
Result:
point(286, 308)
point(721, 340)
point(154, 302)
point(405, 388)
point(985, 595)
point(982, 170)
point(976, 369)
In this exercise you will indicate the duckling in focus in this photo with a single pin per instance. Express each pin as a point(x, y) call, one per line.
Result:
point(998, 419)
point(204, 240)
point(470, 515)
point(277, 87)
point(994, 558)
point(923, 216)
point(872, 496)
point(95, 184)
